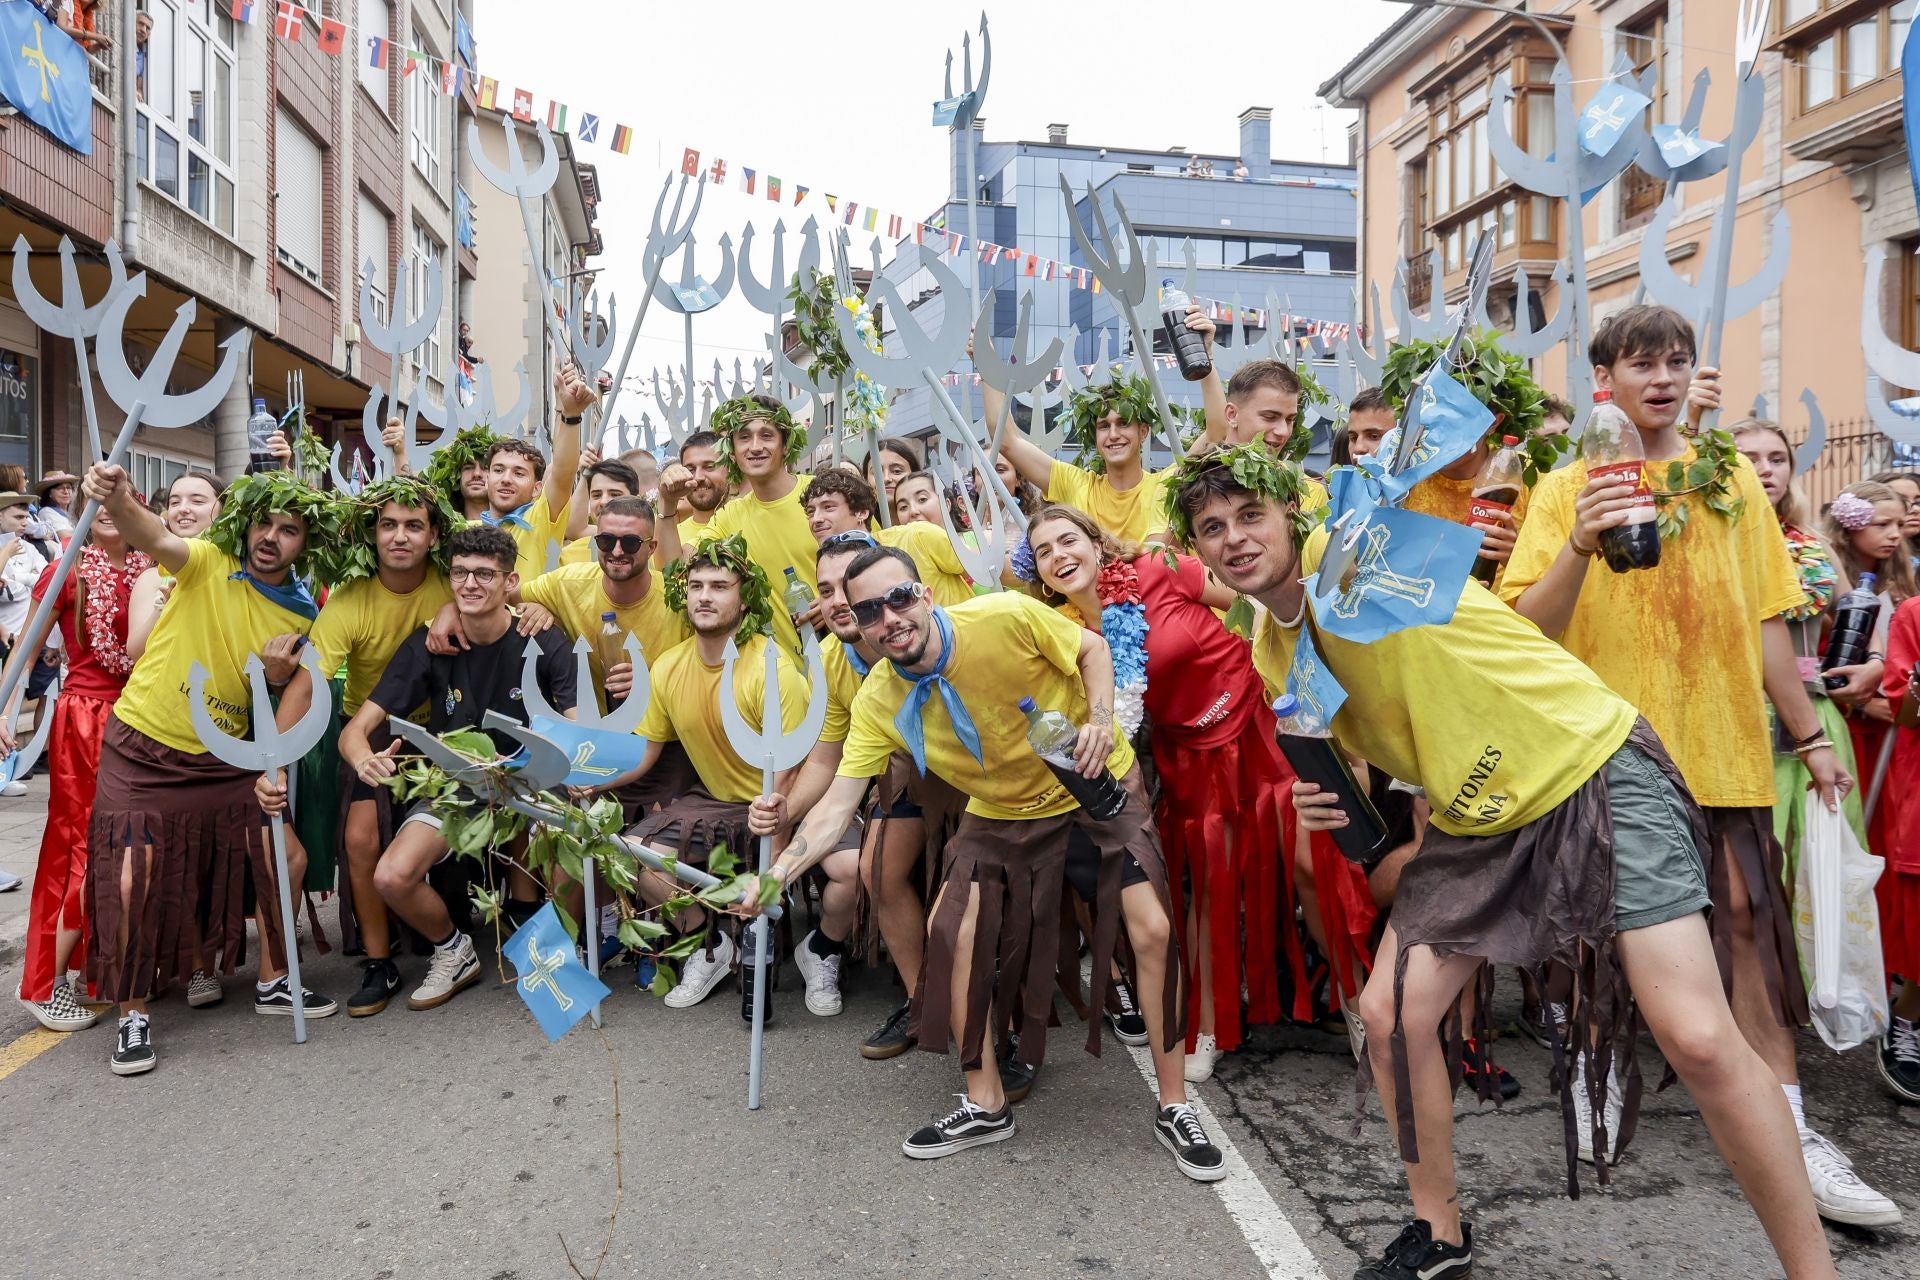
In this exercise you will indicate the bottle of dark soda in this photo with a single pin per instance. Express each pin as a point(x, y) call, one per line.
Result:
point(1611, 448)
point(1309, 747)
point(1494, 494)
point(1854, 615)
point(1052, 735)
point(1189, 348)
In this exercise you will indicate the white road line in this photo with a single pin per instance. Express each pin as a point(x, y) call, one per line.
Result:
point(1266, 1229)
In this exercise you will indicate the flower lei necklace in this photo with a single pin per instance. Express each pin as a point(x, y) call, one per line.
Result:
point(1123, 623)
point(103, 584)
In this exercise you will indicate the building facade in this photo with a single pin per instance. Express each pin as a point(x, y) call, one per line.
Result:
point(1829, 155)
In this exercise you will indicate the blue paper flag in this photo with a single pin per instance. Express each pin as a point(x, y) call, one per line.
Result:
point(1607, 116)
point(1408, 572)
point(553, 982)
point(1681, 146)
point(1309, 680)
point(947, 110)
point(44, 74)
point(1451, 421)
point(700, 297)
point(597, 755)
point(1910, 104)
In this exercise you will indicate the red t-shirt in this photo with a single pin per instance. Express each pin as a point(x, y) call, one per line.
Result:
point(1201, 685)
point(85, 676)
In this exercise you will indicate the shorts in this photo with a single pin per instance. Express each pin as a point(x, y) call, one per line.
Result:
point(421, 816)
point(1083, 867)
point(1658, 875)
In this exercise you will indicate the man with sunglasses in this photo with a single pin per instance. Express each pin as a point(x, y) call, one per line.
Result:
point(948, 697)
point(458, 690)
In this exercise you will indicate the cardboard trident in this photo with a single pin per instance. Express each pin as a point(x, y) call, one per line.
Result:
point(270, 749)
point(71, 317)
point(966, 109)
point(774, 750)
point(695, 295)
point(147, 403)
point(663, 239)
point(1888, 363)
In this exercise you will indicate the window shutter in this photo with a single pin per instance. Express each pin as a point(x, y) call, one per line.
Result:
point(300, 204)
point(376, 234)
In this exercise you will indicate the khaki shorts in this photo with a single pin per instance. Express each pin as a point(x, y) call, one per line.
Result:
point(1658, 875)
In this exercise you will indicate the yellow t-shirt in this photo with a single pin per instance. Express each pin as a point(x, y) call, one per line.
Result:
point(685, 708)
point(843, 686)
point(363, 624)
point(213, 619)
point(933, 554)
point(1493, 719)
point(1132, 516)
point(542, 525)
point(576, 595)
point(1681, 641)
point(579, 551)
point(1006, 646)
point(777, 537)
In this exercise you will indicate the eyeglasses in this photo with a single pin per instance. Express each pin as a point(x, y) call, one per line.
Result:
point(849, 538)
point(484, 577)
point(899, 598)
point(629, 543)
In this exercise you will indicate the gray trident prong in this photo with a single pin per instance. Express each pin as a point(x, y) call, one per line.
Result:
point(1023, 372)
point(268, 750)
point(526, 188)
point(358, 477)
point(72, 318)
point(589, 355)
point(1524, 340)
point(1229, 356)
point(770, 299)
point(693, 296)
point(927, 354)
point(1420, 328)
point(993, 534)
point(774, 750)
point(972, 95)
point(1884, 356)
point(396, 336)
point(662, 241)
point(1706, 161)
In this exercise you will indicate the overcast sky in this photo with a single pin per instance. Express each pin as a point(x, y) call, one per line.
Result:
point(837, 96)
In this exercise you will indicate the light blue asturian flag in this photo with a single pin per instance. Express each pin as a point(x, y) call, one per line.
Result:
point(43, 72)
point(1682, 146)
point(1408, 571)
point(947, 109)
point(1312, 683)
point(1910, 104)
point(1607, 116)
point(552, 982)
point(699, 297)
point(1452, 423)
point(597, 756)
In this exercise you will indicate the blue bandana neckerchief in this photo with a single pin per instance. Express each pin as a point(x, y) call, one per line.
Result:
point(859, 664)
point(291, 595)
point(908, 719)
point(516, 518)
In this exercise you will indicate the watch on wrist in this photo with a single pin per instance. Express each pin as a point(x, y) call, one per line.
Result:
point(574, 421)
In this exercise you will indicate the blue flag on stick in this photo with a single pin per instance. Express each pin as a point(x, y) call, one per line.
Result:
point(1607, 116)
point(1451, 422)
point(553, 982)
point(1309, 680)
point(1408, 572)
point(597, 755)
point(44, 73)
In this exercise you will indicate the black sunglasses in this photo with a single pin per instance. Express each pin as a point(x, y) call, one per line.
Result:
point(899, 598)
point(848, 538)
point(629, 543)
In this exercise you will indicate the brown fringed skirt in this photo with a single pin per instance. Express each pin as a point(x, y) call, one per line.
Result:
point(202, 830)
point(671, 777)
point(940, 808)
point(1744, 838)
point(1018, 869)
point(1541, 897)
point(695, 824)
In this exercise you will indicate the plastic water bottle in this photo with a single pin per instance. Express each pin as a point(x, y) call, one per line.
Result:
point(1052, 737)
point(1854, 616)
point(798, 597)
point(260, 428)
point(1611, 447)
point(1494, 494)
point(1189, 348)
point(1308, 746)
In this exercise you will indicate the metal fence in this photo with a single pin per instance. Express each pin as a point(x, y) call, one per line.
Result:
point(1855, 451)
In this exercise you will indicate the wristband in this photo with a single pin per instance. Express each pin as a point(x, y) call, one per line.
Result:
point(1587, 554)
point(1818, 735)
point(1808, 748)
point(573, 421)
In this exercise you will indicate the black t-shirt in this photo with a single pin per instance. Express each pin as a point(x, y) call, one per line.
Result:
point(461, 688)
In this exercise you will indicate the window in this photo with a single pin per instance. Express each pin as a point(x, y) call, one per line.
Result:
point(151, 472)
point(376, 240)
point(299, 198)
point(376, 19)
point(187, 116)
point(1644, 41)
point(426, 118)
point(1835, 61)
point(422, 250)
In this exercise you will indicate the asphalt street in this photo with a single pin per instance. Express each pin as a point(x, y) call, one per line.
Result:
point(459, 1143)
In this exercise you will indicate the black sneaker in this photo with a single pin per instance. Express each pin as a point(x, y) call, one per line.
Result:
point(749, 948)
point(1416, 1255)
point(377, 985)
point(278, 1000)
point(1016, 1077)
point(1127, 1024)
point(892, 1039)
point(1536, 1019)
point(1900, 1059)
point(133, 1052)
point(1474, 1063)
point(965, 1126)
point(1180, 1131)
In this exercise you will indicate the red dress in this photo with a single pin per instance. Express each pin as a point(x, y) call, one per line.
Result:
point(1899, 888)
point(1226, 812)
point(87, 694)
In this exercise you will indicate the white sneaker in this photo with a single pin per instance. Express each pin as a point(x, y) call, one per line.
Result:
point(1838, 1192)
point(203, 989)
point(701, 975)
point(1206, 1052)
point(14, 789)
point(822, 976)
point(1583, 1111)
point(450, 970)
point(9, 882)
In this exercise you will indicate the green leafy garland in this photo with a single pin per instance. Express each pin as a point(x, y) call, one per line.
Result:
point(467, 448)
point(813, 302)
point(1254, 468)
point(728, 553)
point(252, 498)
point(1130, 397)
point(741, 410)
point(1498, 379)
point(355, 555)
point(1710, 475)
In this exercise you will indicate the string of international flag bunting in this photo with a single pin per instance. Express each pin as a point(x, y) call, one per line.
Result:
point(293, 21)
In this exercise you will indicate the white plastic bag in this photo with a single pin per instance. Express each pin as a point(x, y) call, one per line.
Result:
point(1837, 925)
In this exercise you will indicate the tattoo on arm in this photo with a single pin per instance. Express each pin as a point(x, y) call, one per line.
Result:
point(1102, 715)
point(797, 848)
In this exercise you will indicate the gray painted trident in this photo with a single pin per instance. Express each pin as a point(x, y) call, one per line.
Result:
point(774, 750)
point(695, 295)
point(525, 188)
point(72, 318)
point(972, 95)
point(146, 401)
point(1021, 373)
point(663, 240)
point(270, 749)
point(396, 336)
point(1888, 363)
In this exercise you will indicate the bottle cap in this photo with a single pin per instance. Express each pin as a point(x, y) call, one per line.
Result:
point(1285, 705)
point(1509, 441)
point(1603, 396)
point(1026, 704)
point(790, 571)
point(1166, 282)
point(1867, 580)
point(607, 616)
point(259, 404)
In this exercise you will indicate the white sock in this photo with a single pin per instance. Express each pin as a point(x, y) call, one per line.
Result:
point(450, 943)
point(1798, 1107)
point(264, 987)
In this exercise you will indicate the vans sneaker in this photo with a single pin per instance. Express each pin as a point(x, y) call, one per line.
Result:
point(967, 1125)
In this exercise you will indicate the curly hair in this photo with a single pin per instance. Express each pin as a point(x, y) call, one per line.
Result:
point(485, 540)
point(829, 481)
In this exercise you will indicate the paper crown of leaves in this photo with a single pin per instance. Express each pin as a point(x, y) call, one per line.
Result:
point(252, 498)
point(1131, 397)
point(738, 412)
point(354, 554)
point(756, 594)
point(1252, 467)
point(456, 455)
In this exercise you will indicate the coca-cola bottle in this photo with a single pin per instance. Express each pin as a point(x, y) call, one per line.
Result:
point(1854, 615)
point(1611, 448)
point(1308, 746)
point(1189, 348)
point(1494, 494)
